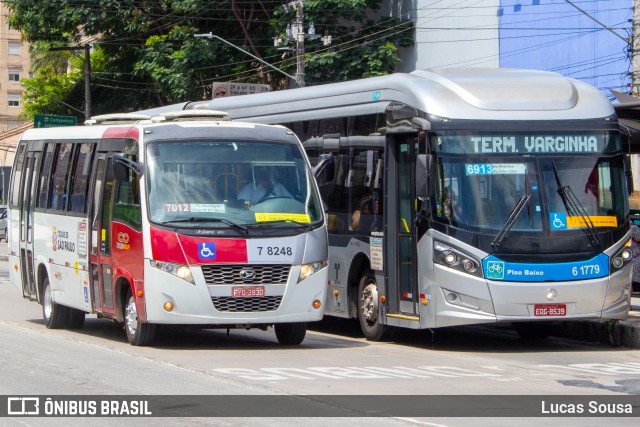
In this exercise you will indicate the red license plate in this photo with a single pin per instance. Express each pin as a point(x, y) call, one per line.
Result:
point(552, 310)
point(247, 291)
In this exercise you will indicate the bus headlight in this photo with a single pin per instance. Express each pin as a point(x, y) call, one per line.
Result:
point(307, 270)
point(446, 255)
point(621, 258)
point(178, 270)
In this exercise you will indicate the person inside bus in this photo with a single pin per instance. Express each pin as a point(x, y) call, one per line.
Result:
point(368, 217)
point(451, 209)
point(262, 188)
point(362, 214)
point(376, 224)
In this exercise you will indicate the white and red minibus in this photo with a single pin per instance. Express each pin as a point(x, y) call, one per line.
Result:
point(168, 220)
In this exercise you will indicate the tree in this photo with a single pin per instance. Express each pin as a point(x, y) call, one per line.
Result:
point(145, 53)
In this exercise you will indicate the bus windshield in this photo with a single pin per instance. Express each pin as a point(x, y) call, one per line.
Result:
point(478, 188)
point(215, 183)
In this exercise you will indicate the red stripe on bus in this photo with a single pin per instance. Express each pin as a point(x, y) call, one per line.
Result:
point(172, 247)
point(226, 250)
point(166, 247)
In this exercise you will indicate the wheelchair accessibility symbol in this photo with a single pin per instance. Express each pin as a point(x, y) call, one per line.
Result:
point(206, 250)
point(558, 220)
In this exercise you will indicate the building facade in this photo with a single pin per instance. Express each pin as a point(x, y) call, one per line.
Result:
point(15, 64)
point(584, 39)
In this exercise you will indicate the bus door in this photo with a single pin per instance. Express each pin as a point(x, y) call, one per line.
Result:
point(29, 195)
point(101, 271)
point(400, 236)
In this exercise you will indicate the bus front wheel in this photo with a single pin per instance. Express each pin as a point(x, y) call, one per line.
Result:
point(55, 315)
point(369, 310)
point(138, 333)
point(290, 333)
point(76, 319)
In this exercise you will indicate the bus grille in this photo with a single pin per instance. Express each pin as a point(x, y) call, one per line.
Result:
point(245, 274)
point(231, 304)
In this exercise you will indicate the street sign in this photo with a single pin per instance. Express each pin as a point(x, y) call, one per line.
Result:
point(46, 121)
point(224, 89)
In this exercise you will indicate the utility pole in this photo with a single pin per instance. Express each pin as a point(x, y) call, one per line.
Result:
point(87, 82)
point(87, 75)
point(300, 44)
point(296, 34)
point(634, 45)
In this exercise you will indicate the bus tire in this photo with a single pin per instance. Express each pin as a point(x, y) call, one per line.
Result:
point(369, 310)
point(76, 318)
point(138, 333)
point(533, 330)
point(290, 333)
point(55, 316)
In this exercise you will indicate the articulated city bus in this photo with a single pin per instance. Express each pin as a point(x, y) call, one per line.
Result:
point(463, 196)
point(183, 219)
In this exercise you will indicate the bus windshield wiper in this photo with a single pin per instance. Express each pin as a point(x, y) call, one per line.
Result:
point(201, 219)
point(513, 216)
point(575, 208)
point(280, 221)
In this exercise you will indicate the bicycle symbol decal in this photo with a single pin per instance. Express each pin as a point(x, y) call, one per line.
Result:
point(206, 250)
point(558, 220)
point(495, 270)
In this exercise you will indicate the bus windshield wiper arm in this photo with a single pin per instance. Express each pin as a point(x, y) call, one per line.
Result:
point(200, 219)
point(513, 216)
point(575, 208)
point(280, 221)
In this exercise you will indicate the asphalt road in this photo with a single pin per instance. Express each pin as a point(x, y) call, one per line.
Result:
point(334, 360)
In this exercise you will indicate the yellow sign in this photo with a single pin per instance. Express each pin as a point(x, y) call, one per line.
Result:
point(597, 221)
point(264, 217)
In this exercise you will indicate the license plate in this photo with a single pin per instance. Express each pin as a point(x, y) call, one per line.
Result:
point(247, 291)
point(552, 310)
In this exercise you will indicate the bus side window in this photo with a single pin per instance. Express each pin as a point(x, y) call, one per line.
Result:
point(127, 202)
point(17, 172)
point(45, 177)
point(58, 191)
point(334, 195)
point(80, 178)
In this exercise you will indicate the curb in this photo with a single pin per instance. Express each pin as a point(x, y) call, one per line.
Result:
point(622, 333)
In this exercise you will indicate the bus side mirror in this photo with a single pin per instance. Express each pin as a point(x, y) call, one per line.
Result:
point(324, 171)
point(628, 174)
point(122, 165)
point(424, 166)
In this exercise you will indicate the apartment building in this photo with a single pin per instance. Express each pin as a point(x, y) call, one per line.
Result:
point(15, 64)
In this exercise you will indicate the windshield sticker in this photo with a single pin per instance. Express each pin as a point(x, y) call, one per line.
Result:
point(497, 269)
point(194, 207)
point(597, 221)
point(496, 168)
point(265, 217)
point(560, 221)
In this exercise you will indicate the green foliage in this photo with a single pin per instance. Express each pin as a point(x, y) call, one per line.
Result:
point(146, 55)
point(44, 90)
